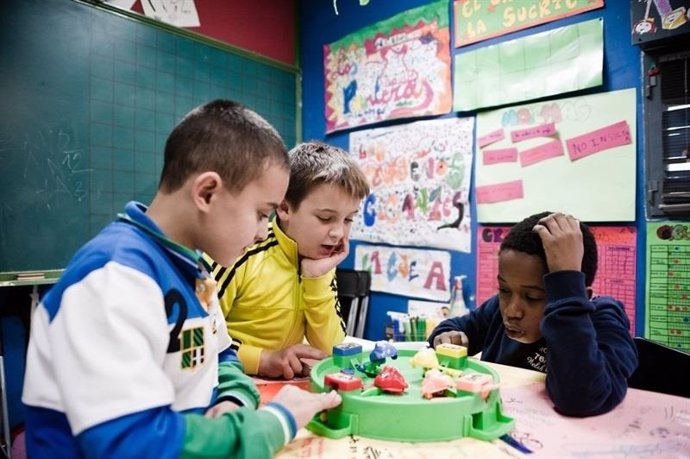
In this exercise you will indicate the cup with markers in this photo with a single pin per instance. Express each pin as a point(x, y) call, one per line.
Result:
point(406, 327)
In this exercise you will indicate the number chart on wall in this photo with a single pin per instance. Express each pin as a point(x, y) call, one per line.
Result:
point(668, 284)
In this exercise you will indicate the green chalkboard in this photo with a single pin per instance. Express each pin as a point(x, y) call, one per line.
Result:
point(88, 97)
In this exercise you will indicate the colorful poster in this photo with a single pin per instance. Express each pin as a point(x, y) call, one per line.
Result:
point(616, 273)
point(557, 61)
point(407, 272)
point(668, 284)
point(420, 181)
point(477, 20)
point(654, 20)
point(575, 155)
point(397, 68)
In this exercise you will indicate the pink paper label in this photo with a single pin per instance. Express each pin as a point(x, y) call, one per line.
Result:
point(499, 192)
point(541, 153)
point(490, 138)
point(500, 155)
point(602, 139)
point(544, 130)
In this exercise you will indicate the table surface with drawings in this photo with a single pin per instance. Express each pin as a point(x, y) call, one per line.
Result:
point(645, 425)
point(668, 284)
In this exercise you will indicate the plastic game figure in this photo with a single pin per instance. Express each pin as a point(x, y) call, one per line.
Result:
point(345, 355)
point(425, 358)
point(476, 382)
point(390, 380)
point(435, 383)
point(343, 381)
point(382, 349)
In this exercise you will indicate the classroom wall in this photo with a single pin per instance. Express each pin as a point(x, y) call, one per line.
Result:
point(319, 25)
point(265, 27)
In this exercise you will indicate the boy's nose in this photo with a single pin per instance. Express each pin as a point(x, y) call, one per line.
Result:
point(261, 232)
point(514, 308)
point(336, 232)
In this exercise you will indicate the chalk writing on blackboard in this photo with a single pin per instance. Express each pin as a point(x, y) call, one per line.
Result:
point(53, 155)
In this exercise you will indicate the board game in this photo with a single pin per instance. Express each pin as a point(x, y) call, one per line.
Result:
point(406, 395)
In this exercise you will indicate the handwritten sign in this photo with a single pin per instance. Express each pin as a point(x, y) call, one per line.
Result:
point(477, 20)
point(396, 68)
point(541, 153)
point(500, 155)
point(602, 139)
point(561, 183)
point(407, 272)
point(490, 138)
point(420, 183)
point(543, 130)
point(499, 192)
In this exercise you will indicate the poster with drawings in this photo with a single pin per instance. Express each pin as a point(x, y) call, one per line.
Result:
point(395, 68)
point(420, 180)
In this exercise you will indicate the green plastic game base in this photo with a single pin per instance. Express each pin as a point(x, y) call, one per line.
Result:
point(409, 417)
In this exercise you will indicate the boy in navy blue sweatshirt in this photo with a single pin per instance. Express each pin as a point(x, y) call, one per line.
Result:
point(546, 318)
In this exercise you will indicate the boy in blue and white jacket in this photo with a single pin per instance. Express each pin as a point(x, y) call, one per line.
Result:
point(129, 355)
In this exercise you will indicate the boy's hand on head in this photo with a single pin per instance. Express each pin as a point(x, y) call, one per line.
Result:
point(452, 337)
point(317, 268)
point(304, 405)
point(216, 410)
point(562, 239)
point(287, 362)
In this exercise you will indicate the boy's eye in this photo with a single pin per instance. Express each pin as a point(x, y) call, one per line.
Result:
point(349, 220)
point(503, 291)
point(324, 219)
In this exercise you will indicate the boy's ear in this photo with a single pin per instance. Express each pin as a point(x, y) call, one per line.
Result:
point(283, 209)
point(204, 187)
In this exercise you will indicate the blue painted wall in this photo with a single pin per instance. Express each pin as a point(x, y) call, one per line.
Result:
point(319, 25)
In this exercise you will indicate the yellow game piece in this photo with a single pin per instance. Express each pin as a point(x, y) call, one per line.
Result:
point(451, 350)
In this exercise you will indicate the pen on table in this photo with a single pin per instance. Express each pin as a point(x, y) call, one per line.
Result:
point(515, 444)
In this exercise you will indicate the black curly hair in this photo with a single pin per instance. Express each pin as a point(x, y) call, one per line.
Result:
point(521, 238)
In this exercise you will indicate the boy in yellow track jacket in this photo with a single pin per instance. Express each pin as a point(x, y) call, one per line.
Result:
point(282, 290)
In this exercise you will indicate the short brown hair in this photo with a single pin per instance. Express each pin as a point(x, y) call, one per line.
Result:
point(224, 137)
point(316, 163)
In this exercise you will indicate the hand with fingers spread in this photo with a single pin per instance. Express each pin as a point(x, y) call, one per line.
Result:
point(305, 405)
point(452, 337)
point(318, 267)
point(286, 363)
point(562, 239)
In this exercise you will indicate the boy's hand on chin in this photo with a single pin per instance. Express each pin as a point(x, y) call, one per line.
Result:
point(317, 268)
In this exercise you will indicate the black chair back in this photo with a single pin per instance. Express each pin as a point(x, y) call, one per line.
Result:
point(354, 287)
point(661, 369)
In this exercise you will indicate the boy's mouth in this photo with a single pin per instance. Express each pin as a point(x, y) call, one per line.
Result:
point(513, 331)
point(332, 249)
